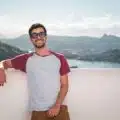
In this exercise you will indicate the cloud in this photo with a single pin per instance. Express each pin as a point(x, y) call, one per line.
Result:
point(73, 25)
point(89, 26)
point(10, 26)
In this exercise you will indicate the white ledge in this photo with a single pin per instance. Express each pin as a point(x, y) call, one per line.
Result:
point(94, 94)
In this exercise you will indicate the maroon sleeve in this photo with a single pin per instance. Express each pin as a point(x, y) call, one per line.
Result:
point(64, 66)
point(19, 62)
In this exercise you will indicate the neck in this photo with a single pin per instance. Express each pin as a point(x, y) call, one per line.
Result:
point(42, 51)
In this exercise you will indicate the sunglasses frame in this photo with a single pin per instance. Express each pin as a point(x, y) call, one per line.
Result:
point(35, 35)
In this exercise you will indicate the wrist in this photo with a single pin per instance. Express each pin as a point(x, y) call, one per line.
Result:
point(58, 104)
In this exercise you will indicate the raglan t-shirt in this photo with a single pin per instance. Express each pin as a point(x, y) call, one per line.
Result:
point(43, 77)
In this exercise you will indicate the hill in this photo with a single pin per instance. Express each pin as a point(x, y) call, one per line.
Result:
point(7, 51)
point(105, 48)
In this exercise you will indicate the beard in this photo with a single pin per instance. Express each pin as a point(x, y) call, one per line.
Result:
point(37, 45)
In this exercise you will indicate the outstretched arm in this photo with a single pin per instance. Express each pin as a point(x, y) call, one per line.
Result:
point(17, 62)
point(4, 65)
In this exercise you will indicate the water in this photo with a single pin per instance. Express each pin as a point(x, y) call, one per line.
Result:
point(87, 64)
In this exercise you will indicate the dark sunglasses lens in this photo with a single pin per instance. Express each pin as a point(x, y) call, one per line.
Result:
point(42, 34)
point(35, 35)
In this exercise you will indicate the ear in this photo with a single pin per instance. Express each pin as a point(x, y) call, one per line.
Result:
point(30, 38)
point(46, 37)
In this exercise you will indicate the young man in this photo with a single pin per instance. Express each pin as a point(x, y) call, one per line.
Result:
point(47, 73)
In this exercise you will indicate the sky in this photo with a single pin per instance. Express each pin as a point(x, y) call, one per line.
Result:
point(60, 17)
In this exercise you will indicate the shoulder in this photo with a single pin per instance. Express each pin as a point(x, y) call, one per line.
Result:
point(21, 58)
point(64, 69)
point(19, 61)
point(24, 55)
point(59, 55)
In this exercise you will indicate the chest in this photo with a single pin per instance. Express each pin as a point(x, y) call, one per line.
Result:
point(38, 64)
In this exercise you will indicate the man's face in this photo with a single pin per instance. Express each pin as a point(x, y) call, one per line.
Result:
point(38, 37)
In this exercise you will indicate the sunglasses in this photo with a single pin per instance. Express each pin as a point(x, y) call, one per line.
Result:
point(35, 35)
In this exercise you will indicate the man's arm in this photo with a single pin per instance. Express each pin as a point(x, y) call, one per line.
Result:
point(61, 96)
point(4, 65)
point(64, 70)
point(63, 89)
point(18, 62)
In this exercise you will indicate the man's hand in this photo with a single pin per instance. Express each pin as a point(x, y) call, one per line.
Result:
point(53, 111)
point(4, 65)
point(2, 77)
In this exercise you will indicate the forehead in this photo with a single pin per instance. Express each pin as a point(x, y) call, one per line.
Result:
point(37, 30)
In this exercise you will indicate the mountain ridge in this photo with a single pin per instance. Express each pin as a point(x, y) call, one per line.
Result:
point(83, 48)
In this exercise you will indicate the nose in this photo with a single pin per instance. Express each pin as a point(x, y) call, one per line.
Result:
point(38, 36)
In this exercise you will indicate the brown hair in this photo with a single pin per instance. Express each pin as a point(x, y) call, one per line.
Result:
point(37, 25)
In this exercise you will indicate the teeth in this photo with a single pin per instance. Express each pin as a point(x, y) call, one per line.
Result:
point(39, 40)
